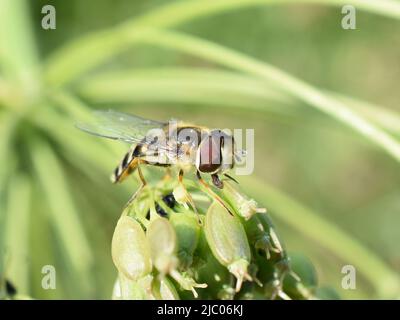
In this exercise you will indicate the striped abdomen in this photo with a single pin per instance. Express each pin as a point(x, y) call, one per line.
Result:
point(128, 164)
point(135, 156)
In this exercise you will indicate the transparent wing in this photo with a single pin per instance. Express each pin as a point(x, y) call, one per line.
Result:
point(119, 126)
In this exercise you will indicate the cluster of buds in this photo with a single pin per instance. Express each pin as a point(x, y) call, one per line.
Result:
point(163, 249)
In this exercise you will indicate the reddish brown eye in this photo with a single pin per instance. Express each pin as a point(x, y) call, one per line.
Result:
point(210, 154)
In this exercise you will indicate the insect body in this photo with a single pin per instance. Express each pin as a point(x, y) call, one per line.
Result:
point(166, 144)
point(207, 152)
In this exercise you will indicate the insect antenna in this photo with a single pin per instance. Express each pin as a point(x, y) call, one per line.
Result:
point(138, 191)
point(231, 178)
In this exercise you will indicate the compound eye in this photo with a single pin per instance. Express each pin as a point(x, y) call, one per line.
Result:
point(210, 154)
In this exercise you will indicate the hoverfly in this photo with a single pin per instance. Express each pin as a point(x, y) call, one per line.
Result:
point(166, 144)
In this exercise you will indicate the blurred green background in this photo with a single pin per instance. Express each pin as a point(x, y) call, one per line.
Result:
point(326, 120)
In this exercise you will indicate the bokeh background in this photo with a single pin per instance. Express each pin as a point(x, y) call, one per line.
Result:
point(330, 182)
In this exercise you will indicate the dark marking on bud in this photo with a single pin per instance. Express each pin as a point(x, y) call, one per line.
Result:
point(169, 200)
point(160, 210)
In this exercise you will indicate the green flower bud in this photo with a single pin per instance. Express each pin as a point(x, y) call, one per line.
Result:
point(302, 282)
point(228, 242)
point(218, 249)
point(220, 281)
point(260, 236)
point(269, 229)
point(186, 282)
point(162, 238)
point(163, 289)
point(244, 206)
point(279, 259)
point(130, 250)
point(126, 289)
point(187, 229)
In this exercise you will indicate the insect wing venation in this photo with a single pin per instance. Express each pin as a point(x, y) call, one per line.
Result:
point(119, 126)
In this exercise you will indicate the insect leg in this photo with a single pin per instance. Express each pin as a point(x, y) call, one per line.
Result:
point(211, 193)
point(189, 197)
point(138, 191)
point(216, 181)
